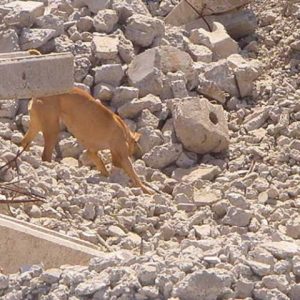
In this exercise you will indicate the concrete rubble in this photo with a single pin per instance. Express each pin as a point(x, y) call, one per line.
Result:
point(201, 126)
point(216, 101)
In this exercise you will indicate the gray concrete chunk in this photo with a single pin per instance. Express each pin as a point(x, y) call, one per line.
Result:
point(35, 244)
point(33, 76)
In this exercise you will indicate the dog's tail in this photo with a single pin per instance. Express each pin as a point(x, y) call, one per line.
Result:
point(34, 52)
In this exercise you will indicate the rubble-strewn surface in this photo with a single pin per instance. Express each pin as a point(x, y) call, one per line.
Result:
point(224, 225)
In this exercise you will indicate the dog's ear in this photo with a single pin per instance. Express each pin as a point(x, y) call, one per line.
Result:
point(136, 136)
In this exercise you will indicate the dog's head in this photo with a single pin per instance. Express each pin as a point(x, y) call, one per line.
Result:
point(133, 145)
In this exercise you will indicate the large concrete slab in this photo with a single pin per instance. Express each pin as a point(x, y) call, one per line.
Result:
point(238, 23)
point(35, 75)
point(189, 10)
point(27, 244)
point(11, 55)
point(35, 8)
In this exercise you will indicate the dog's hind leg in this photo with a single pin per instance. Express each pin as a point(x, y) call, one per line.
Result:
point(96, 159)
point(50, 138)
point(34, 128)
point(29, 136)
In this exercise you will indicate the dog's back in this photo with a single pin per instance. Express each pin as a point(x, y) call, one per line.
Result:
point(90, 121)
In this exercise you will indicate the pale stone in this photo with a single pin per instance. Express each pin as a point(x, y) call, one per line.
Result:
point(134, 107)
point(105, 47)
point(201, 126)
point(218, 41)
point(204, 284)
point(105, 20)
point(111, 74)
point(163, 155)
point(142, 30)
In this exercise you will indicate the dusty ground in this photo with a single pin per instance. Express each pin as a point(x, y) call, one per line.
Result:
point(236, 229)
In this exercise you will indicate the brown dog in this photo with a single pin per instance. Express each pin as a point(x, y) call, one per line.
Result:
point(95, 127)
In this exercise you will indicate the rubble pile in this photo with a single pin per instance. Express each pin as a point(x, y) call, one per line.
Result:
point(216, 101)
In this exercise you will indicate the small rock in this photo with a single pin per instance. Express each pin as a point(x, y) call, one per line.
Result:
point(116, 231)
point(51, 276)
point(258, 268)
point(147, 274)
point(237, 217)
point(93, 285)
point(4, 281)
point(163, 155)
point(134, 107)
point(35, 38)
point(294, 292)
point(142, 29)
point(195, 286)
point(111, 74)
point(282, 250)
point(105, 47)
point(105, 20)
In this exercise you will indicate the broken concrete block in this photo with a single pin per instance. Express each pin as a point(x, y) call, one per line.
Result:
point(211, 90)
point(175, 36)
point(234, 76)
point(221, 44)
point(85, 24)
point(174, 60)
point(126, 49)
point(18, 19)
point(200, 53)
point(22, 13)
point(185, 12)
point(8, 108)
point(257, 119)
point(9, 41)
point(134, 107)
point(39, 245)
point(178, 88)
point(237, 217)
point(238, 23)
point(104, 92)
point(200, 125)
point(150, 138)
point(245, 72)
point(146, 71)
point(126, 8)
point(147, 119)
point(174, 84)
point(105, 20)
point(124, 94)
point(221, 74)
point(51, 22)
point(142, 30)
point(70, 147)
point(194, 174)
point(144, 75)
point(35, 38)
point(111, 74)
point(163, 155)
point(27, 77)
point(186, 160)
point(93, 5)
point(34, 8)
point(105, 47)
point(82, 67)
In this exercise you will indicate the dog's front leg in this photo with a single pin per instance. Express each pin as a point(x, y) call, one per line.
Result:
point(125, 163)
